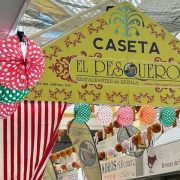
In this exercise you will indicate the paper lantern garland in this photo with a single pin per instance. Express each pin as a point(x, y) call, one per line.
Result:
point(8, 95)
point(82, 113)
point(167, 116)
point(104, 115)
point(125, 116)
point(147, 114)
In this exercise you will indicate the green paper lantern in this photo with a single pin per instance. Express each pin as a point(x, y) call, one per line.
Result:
point(82, 113)
point(8, 95)
point(167, 116)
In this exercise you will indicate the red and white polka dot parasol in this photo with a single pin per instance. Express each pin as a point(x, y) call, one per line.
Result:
point(18, 71)
point(7, 109)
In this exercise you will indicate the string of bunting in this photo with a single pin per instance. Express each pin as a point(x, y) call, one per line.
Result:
point(133, 142)
point(147, 116)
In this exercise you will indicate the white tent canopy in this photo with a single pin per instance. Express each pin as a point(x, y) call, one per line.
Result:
point(169, 136)
point(43, 14)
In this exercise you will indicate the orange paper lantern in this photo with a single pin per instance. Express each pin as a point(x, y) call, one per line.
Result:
point(147, 114)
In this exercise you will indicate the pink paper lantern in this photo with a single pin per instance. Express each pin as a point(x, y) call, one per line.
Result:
point(125, 116)
point(104, 115)
point(7, 109)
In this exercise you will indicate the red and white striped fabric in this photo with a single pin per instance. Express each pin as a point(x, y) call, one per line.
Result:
point(27, 138)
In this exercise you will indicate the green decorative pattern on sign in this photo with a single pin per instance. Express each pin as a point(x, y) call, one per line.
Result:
point(128, 19)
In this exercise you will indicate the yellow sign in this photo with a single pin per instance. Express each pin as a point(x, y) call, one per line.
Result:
point(125, 73)
point(122, 33)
